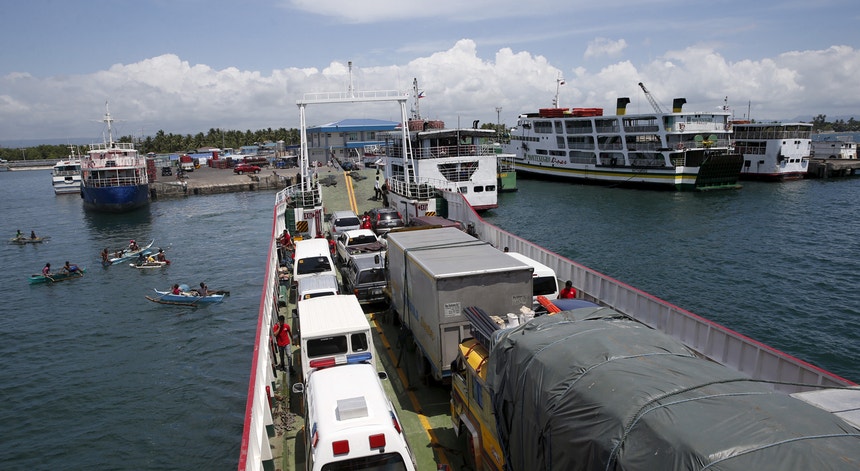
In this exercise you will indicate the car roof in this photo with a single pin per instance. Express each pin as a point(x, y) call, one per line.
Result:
point(342, 214)
point(358, 232)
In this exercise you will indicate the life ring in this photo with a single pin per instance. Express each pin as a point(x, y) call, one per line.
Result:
point(681, 126)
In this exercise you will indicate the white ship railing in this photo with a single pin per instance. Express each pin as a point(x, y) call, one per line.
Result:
point(709, 339)
point(256, 449)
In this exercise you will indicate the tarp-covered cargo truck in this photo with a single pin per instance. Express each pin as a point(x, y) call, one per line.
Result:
point(434, 274)
point(592, 388)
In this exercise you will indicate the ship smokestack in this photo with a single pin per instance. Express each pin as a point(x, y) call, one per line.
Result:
point(621, 106)
point(678, 104)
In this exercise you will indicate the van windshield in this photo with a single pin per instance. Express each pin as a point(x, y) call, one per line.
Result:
point(385, 461)
point(310, 265)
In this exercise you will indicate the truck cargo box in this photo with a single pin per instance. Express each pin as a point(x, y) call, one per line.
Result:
point(435, 273)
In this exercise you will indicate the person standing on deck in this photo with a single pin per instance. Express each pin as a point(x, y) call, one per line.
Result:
point(282, 336)
point(377, 188)
point(568, 292)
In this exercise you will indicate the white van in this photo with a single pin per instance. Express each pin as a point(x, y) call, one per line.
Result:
point(350, 423)
point(312, 256)
point(315, 286)
point(334, 331)
point(544, 281)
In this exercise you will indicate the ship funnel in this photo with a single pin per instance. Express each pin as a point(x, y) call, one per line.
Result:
point(677, 104)
point(621, 106)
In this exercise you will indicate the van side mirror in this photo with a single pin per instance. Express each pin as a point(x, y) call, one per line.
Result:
point(298, 388)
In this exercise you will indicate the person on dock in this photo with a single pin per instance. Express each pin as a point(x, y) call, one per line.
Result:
point(282, 336)
point(569, 292)
point(377, 188)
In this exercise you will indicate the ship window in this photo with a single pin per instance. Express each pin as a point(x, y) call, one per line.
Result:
point(463, 189)
point(559, 142)
point(478, 189)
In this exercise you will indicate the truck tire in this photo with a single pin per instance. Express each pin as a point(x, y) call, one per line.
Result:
point(239, 172)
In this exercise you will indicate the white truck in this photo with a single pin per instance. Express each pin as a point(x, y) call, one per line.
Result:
point(434, 274)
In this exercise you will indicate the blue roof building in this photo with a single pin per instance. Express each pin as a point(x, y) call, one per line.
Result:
point(345, 139)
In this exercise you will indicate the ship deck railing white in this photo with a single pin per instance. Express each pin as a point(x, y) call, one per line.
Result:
point(102, 161)
point(436, 152)
point(112, 182)
point(120, 146)
point(297, 196)
point(412, 190)
point(709, 339)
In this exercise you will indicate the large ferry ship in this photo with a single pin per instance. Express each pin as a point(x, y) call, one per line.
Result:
point(114, 177)
point(66, 174)
point(276, 435)
point(773, 151)
point(677, 150)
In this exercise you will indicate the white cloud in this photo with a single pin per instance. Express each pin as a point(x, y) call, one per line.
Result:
point(604, 47)
point(167, 93)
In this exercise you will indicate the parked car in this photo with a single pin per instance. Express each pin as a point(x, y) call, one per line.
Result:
point(166, 171)
point(358, 241)
point(383, 220)
point(342, 221)
point(364, 276)
point(246, 168)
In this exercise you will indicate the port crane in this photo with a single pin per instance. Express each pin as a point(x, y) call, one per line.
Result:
point(651, 99)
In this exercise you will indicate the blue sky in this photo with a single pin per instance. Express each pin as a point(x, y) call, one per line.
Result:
point(186, 66)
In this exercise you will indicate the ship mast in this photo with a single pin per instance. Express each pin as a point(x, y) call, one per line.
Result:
point(416, 111)
point(558, 83)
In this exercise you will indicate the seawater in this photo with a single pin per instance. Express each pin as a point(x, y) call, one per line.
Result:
point(93, 375)
point(777, 262)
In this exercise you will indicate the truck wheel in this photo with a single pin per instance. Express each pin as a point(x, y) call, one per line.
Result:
point(256, 171)
point(240, 172)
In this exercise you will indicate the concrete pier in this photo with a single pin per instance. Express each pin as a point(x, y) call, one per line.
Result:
point(208, 181)
point(833, 168)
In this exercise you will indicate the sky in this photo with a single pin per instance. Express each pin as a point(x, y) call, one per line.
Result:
point(188, 66)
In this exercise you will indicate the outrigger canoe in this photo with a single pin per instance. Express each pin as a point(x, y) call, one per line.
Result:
point(187, 298)
point(28, 240)
point(127, 255)
point(55, 277)
point(144, 265)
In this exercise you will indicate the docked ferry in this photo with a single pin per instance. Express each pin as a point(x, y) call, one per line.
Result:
point(114, 177)
point(66, 174)
point(430, 157)
point(773, 151)
point(679, 151)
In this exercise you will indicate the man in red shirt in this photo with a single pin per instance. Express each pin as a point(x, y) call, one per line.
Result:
point(283, 334)
point(568, 292)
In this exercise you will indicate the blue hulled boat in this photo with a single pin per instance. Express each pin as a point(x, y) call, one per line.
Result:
point(114, 177)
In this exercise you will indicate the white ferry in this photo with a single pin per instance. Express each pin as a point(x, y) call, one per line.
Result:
point(773, 151)
point(66, 174)
point(430, 157)
point(677, 151)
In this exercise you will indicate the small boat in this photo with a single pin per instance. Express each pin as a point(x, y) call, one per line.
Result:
point(55, 277)
point(148, 264)
point(187, 298)
point(126, 255)
point(28, 240)
point(66, 174)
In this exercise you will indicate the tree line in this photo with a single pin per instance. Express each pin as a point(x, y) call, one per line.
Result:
point(163, 143)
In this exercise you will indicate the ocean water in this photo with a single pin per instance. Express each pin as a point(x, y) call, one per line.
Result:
point(92, 375)
point(779, 263)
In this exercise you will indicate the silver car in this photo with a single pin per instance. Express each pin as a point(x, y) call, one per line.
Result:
point(342, 221)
